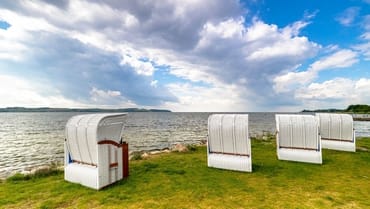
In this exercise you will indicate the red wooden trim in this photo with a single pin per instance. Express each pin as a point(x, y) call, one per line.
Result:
point(84, 163)
point(298, 148)
point(113, 165)
point(342, 140)
point(228, 153)
point(125, 169)
point(111, 142)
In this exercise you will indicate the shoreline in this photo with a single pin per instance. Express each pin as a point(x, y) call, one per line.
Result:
point(361, 119)
point(133, 155)
point(137, 155)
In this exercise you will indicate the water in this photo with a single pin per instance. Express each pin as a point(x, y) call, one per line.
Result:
point(362, 128)
point(148, 131)
point(32, 139)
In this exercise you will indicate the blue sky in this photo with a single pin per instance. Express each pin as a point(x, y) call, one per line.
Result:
point(185, 55)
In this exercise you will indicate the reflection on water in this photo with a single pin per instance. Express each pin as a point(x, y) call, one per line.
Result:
point(34, 139)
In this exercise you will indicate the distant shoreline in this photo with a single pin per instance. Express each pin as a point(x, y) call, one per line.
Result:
point(95, 110)
point(351, 109)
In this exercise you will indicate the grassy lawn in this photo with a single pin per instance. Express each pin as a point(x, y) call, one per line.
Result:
point(183, 180)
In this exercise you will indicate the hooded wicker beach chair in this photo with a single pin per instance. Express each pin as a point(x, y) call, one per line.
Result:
point(298, 138)
point(228, 145)
point(337, 132)
point(95, 155)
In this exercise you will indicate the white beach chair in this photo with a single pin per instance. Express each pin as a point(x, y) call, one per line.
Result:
point(94, 153)
point(228, 144)
point(337, 132)
point(298, 138)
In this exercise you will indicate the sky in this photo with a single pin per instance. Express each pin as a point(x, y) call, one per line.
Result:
point(185, 55)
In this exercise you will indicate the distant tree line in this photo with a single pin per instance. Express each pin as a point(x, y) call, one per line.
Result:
point(358, 108)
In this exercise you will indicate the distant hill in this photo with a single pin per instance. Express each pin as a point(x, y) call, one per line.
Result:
point(361, 108)
point(358, 108)
point(48, 109)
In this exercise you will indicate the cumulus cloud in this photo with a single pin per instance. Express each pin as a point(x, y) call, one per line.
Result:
point(118, 45)
point(339, 88)
point(141, 35)
point(338, 92)
point(249, 56)
point(83, 68)
point(289, 81)
point(112, 52)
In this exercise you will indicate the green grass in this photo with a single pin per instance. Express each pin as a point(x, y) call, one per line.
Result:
point(183, 180)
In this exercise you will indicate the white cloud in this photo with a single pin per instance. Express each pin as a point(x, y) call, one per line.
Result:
point(14, 40)
point(80, 13)
point(212, 46)
point(364, 48)
point(208, 42)
point(228, 29)
point(141, 67)
point(362, 87)
point(15, 91)
point(339, 88)
point(292, 47)
point(109, 99)
point(98, 94)
point(340, 59)
point(338, 93)
point(348, 16)
point(260, 31)
point(295, 28)
point(231, 53)
point(207, 99)
point(291, 80)
point(154, 83)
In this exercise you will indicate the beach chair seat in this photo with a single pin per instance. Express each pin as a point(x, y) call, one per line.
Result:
point(228, 144)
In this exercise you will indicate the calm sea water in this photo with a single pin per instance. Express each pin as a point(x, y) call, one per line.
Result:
point(33, 139)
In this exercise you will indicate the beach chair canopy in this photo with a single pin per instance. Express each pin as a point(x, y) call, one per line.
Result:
point(84, 132)
point(298, 131)
point(93, 142)
point(337, 131)
point(336, 126)
point(298, 138)
point(228, 142)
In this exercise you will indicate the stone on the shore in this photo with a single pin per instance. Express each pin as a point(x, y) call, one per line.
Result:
point(145, 155)
point(180, 148)
point(155, 152)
